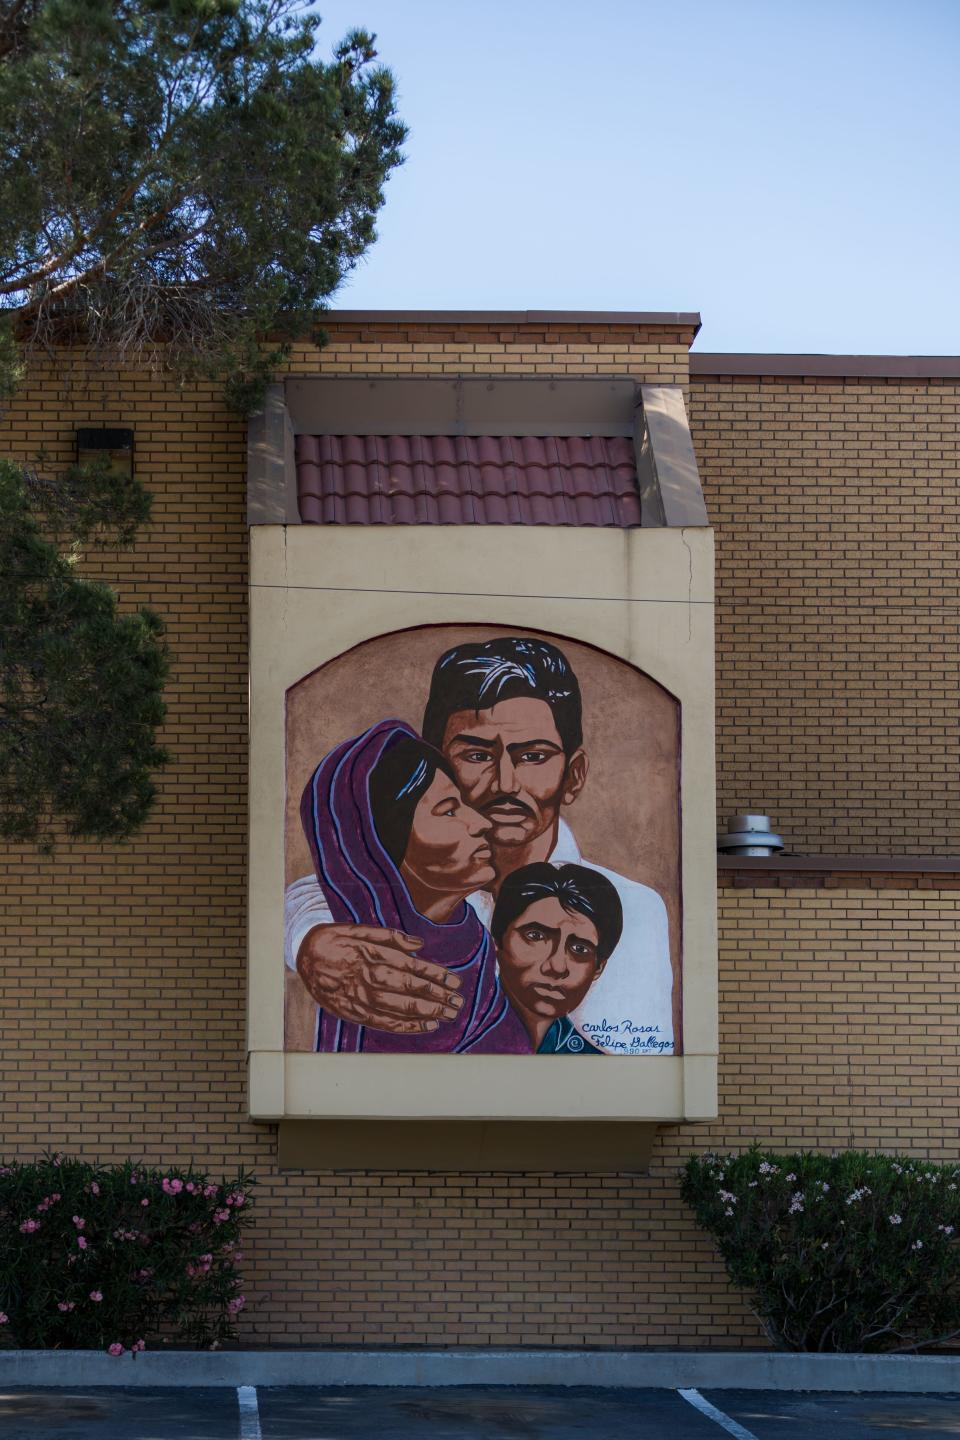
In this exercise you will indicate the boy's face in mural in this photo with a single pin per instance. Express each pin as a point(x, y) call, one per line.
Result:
point(549, 959)
point(511, 767)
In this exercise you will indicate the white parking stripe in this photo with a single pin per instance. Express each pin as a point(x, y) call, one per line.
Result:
point(250, 1413)
point(694, 1398)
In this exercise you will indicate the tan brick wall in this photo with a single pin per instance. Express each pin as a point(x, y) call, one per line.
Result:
point(646, 352)
point(836, 505)
point(122, 992)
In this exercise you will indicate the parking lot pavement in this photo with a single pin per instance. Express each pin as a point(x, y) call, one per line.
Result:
point(480, 1413)
point(121, 1414)
point(470, 1413)
point(801, 1415)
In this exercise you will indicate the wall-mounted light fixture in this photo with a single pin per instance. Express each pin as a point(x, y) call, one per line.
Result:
point(749, 835)
point(113, 445)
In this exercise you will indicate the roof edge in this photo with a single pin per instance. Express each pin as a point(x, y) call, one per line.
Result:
point(893, 367)
point(687, 318)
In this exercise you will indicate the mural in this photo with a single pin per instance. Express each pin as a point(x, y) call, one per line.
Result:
point(482, 850)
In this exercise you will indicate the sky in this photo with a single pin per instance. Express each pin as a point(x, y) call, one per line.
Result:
point(788, 168)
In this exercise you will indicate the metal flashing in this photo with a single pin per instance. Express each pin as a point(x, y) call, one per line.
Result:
point(843, 864)
point(460, 405)
point(686, 319)
point(853, 367)
point(670, 489)
point(271, 468)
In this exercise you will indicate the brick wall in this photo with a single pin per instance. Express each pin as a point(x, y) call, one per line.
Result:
point(836, 505)
point(122, 976)
point(647, 352)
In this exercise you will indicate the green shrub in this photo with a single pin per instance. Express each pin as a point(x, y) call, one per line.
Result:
point(112, 1256)
point(851, 1252)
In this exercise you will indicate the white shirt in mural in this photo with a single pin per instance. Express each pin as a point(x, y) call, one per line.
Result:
point(628, 1011)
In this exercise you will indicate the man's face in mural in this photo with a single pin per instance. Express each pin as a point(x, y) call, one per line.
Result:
point(511, 766)
point(449, 846)
point(549, 959)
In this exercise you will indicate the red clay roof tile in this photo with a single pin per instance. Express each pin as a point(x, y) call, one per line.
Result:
point(467, 480)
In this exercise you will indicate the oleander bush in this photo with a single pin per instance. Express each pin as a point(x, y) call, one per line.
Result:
point(852, 1252)
point(115, 1256)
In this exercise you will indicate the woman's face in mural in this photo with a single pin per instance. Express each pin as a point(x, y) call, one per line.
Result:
point(511, 766)
point(549, 958)
point(448, 851)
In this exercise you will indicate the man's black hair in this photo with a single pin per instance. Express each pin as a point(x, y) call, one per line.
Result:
point(478, 675)
point(399, 779)
point(575, 886)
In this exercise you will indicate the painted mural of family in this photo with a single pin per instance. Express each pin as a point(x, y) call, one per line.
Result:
point(451, 910)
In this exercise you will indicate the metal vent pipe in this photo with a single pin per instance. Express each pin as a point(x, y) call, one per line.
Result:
point(749, 835)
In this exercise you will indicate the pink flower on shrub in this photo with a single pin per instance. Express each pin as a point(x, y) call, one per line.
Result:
point(191, 1189)
point(209, 1191)
point(94, 1188)
point(144, 1203)
point(81, 1242)
point(237, 1198)
point(237, 1304)
point(138, 1345)
point(144, 1274)
point(29, 1226)
point(96, 1296)
point(4, 1318)
point(5, 1170)
point(171, 1187)
point(65, 1306)
point(79, 1222)
point(115, 1349)
point(202, 1267)
point(220, 1217)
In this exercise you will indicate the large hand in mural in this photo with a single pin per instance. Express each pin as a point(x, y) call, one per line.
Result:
point(374, 977)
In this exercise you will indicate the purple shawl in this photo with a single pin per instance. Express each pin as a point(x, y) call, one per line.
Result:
point(363, 886)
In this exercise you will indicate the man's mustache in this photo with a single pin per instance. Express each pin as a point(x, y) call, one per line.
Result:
point(506, 802)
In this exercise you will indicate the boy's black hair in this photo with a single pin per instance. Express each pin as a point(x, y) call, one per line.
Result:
point(575, 886)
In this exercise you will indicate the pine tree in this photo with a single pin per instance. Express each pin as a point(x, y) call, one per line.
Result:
point(183, 184)
point(180, 179)
point(81, 685)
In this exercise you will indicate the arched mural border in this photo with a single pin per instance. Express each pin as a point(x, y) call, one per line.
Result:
point(489, 625)
point(500, 627)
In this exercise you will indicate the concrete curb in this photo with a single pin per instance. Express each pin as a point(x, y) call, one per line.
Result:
point(634, 1369)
